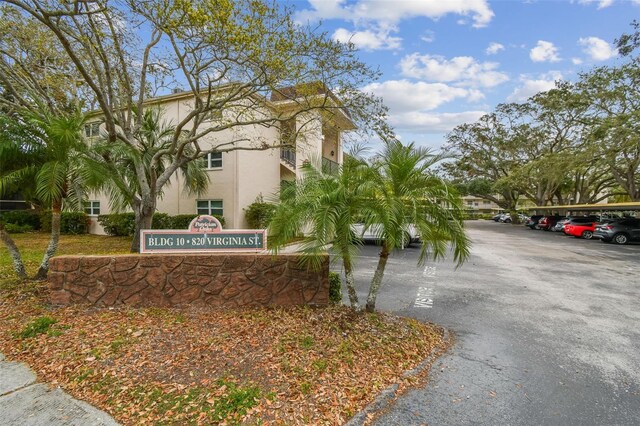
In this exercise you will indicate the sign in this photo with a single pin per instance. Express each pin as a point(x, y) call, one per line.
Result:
point(204, 234)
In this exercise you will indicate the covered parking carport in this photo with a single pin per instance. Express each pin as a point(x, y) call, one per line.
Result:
point(611, 209)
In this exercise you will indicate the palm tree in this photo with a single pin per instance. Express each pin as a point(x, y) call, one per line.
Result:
point(47, 155)
point(126, 164)
point(407, 192)
point(323, 206)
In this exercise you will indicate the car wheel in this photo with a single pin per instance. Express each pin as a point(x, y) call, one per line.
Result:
point(507, 221)
point(537, 227)
point(587, 235)
point(620, 238)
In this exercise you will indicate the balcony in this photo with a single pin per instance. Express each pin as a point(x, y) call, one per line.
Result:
point(330, 166)
point(288, 156)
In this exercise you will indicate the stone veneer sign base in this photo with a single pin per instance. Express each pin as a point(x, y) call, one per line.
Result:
point(166, 280)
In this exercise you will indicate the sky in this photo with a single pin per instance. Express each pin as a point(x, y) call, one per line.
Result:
point(446, 62)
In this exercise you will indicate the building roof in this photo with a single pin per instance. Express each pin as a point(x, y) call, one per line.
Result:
point(285, 97)
point(632, 205)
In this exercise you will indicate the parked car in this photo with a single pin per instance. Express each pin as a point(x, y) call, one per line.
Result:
point(532, 222)
point(548, 222)
point(580, 230)
point(496, 218)
point(559, 226)
point(620, 231)
point(372, 233)
point(505, 218)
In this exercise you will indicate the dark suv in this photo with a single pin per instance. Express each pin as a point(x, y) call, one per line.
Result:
point(532, 221)
point(548, 222)
point(619, 231)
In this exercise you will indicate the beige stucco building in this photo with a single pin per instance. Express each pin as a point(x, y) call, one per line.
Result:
point(238, 177)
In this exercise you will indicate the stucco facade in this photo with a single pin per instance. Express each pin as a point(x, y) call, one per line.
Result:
point(238, 177)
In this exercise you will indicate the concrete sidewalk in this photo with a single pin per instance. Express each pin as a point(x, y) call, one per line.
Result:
point(24, 402)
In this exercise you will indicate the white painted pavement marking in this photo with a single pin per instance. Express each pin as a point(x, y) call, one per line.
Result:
point(425, 296)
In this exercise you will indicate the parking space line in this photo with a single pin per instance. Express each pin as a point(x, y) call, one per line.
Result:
point(425, 296)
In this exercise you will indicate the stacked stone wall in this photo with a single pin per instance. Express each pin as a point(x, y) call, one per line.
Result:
point(218, 280)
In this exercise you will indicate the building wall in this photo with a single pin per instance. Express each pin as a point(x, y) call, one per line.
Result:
point(244, 174)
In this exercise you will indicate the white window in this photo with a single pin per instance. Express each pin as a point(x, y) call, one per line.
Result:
point(210, 207)
point(92, 208)
point(213, 160)
point(92, 130)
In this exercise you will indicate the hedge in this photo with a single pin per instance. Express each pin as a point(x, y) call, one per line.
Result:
point(124, 224)
point(258, 214)
point(22, 218)
point(118, 224)
point(70, 222)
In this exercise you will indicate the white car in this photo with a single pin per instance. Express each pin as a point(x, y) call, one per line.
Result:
point(372, 233)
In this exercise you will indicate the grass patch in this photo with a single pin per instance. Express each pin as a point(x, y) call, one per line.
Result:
point(32, 246)
point(37, 326)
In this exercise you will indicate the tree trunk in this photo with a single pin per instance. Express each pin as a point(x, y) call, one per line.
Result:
point(143, 218)
point(43, 270)
point(350, 280)
point(377, 278)
point(16, 257)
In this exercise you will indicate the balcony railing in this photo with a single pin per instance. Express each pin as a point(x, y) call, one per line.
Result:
point(330, 166)
point(288, 155)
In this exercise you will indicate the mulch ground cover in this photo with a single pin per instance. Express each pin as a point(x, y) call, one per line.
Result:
point(296, 366)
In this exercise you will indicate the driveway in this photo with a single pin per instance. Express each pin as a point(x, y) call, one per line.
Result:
point(546, 330)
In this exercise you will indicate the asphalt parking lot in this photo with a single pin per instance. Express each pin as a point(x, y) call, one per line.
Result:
point(547, 329)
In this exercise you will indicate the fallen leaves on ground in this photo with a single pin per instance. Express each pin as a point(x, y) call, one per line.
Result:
point(294, 366)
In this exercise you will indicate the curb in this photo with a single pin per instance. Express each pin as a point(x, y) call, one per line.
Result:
point(387, 396)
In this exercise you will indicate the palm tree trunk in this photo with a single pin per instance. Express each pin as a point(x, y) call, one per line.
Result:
point(143, 219)
point(43, 270)
point(350, 280)
point(377, 278)
point(16, 257)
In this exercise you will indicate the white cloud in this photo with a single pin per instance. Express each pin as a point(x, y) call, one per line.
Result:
point(597, 49)
point(601, 3)
point(395, 11)
point(530, 87)
point(576, 61)
point(369, 39)
point(464, 70)
point(544, 51)
point(429, 36)
point(404, 96)
point(494, 48)
point(427, 122)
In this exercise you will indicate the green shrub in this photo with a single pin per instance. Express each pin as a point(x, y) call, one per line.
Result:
point(118, 224)
point(74, 223)
point(124, 224)
point(39, 325)
point(70, 222)
point(182, 221)
point(476, 216)
point(17, 229)
point(335, 288)
point(259, 213)
point(22, 218)
point(161, 221)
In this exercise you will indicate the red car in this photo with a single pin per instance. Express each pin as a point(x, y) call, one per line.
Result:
point(580, 230)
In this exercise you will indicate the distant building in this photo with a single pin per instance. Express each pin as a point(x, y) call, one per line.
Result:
point(237, 178)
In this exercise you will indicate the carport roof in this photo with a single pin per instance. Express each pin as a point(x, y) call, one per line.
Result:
point(634, 205)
